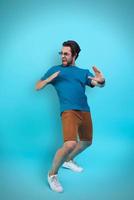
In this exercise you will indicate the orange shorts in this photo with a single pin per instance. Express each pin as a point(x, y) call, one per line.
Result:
point(76, 123)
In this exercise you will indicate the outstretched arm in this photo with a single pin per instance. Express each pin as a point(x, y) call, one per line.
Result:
point(42, 83)
point(98, 79)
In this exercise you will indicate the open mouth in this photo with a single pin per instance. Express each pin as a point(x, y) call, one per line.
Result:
point(64, 62)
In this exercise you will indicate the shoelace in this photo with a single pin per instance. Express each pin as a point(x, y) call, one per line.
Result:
point(55, 181)
point(73, 162)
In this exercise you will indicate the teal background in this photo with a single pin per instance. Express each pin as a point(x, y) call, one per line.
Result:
point(31, 34)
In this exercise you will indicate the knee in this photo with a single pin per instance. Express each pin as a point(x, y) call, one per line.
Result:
point(85, 144)
point(69, 145)
point(88, 143)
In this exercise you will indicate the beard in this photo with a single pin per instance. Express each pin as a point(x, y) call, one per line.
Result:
point(66, 62)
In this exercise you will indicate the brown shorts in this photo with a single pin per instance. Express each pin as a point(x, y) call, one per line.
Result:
point(77, 123)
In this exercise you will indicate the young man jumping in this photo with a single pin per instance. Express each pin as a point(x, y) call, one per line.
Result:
point(69, 81)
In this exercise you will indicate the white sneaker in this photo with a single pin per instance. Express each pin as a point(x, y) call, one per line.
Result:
point(54, 183)
point(73, 166)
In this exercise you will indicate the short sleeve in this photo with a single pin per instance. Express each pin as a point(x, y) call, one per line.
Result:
point(48, 73)
point(88, 80)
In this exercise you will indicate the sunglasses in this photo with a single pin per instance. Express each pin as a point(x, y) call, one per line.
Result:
point(64, 54)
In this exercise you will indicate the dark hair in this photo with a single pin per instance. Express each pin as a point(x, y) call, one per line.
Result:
point(75, 48)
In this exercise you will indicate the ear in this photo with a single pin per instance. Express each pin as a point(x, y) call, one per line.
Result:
point(75, 55)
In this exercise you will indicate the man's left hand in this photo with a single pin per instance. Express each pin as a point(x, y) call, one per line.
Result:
point(98, 76)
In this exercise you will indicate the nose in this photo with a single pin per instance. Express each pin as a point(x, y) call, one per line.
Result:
point(63, 58)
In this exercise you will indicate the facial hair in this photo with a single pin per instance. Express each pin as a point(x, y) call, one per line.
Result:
point(69, 62)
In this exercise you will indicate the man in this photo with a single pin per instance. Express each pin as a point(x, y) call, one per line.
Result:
point(69, 82)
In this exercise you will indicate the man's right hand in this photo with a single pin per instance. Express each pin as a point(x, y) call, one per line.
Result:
point(41, 84)
point(53, 76)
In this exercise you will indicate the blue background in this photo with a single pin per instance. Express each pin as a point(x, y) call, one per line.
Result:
point(31, 34)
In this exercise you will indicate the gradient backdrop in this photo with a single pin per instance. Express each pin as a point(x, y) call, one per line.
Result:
point(31, 34)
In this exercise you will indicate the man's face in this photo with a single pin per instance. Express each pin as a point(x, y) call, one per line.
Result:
point(66, 56)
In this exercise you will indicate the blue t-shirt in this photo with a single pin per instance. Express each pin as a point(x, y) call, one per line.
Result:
point(70, 86)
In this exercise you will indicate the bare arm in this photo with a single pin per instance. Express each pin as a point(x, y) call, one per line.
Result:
point(41, 84)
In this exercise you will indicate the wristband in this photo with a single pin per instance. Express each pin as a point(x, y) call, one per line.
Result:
point(102, 82)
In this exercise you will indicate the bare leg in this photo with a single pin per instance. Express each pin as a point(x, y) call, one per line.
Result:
point(81, 146)
point(61, 156)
